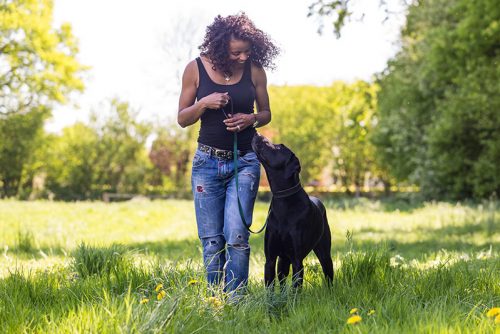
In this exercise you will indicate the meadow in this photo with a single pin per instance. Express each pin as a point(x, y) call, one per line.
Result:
point(135, 267)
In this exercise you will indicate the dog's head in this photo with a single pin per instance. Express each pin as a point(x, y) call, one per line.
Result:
point(281, 165)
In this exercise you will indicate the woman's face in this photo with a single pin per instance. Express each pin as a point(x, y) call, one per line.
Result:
point(239, 50)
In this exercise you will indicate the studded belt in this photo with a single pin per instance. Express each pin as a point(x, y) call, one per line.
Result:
point(218, 153)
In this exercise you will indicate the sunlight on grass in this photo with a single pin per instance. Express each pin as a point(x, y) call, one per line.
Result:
point(95, 267)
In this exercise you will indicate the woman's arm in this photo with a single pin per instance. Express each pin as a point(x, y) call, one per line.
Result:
point(191, 110)
point(263, 115)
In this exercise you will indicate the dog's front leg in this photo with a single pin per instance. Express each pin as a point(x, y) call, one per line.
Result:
point(270, 271)
point(283, 270)
point(298, 273)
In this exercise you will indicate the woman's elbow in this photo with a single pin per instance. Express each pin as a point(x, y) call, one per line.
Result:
point(181, 122)
point(181, 119)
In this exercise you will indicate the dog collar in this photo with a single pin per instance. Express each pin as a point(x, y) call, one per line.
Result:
point(287, 192)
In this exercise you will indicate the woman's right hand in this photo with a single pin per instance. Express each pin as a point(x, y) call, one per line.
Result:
point(215, 100)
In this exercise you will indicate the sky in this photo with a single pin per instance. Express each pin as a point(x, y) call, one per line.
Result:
point(126, 44)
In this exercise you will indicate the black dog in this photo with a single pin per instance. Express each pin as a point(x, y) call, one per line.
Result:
point(297, 223)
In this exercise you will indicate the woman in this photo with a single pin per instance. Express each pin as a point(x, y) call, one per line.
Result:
point(220, 88)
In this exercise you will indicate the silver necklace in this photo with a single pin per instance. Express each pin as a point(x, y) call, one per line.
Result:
point(227, 77)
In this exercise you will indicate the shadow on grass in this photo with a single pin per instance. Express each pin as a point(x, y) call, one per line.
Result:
point(445, 231)
point(167, 249)
point(461, 238)
point(423, 248)
point(384, 204)
point(454, 238)
point(406, 203)
point(186, 248)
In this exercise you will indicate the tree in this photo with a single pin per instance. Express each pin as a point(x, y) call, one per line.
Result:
point(353, 153)
point(107, 155)
point(170, 153)
point(38, 69)
point(341, 11)
point(18, 135)
point(327, 126)
point(121, 151)
point(70, 164)
point(301, 115)
point(438, 105)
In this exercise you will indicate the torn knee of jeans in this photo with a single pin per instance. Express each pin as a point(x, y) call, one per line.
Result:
point(213, 243)
point(239, 246)
point(199, 188)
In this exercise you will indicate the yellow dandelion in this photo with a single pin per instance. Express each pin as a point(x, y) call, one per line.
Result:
point(193, 282)
point(497, 319)
point(493, 312)
point(354, 320)
point(159, 287)
point(371, 312)
point(161, 295)
point(144, 300)
point(215, 301)
point(354, 310)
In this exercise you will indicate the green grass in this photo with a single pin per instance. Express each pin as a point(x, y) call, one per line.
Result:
point(85, 267)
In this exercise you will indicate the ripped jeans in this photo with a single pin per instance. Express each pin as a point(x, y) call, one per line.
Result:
point(226, 251)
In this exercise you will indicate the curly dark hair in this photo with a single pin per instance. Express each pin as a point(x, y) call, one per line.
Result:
point(215, 45)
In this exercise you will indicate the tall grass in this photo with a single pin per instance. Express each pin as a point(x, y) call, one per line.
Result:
point(430, 268)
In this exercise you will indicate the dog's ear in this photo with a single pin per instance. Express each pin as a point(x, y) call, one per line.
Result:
point(292, 166)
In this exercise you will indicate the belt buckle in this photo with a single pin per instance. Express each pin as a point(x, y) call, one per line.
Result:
point(223, 154)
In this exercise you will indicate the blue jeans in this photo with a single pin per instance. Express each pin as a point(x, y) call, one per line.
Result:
point(224, 238)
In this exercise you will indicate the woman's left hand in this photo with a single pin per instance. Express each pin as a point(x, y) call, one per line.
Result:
point(239, 122)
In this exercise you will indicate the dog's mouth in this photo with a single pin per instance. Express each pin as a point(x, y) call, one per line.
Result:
point(259, 140)
point(264, 149)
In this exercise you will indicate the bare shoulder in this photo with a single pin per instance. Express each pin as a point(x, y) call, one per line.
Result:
point(258, 74)
point(191, 67)
point(191, 73)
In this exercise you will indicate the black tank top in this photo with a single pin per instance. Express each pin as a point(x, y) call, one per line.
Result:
point(213, 131)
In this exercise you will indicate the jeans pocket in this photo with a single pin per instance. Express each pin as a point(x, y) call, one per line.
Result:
point(198, 160)
point(250, 158)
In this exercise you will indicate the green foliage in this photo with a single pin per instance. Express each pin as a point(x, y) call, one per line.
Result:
point(301, 115)
point(438, 105)
point(109, 154)
point(171, 153)
point(19, 134)
point(342, 11)
point(339, 9)
point(121, 152)
point(327, 126)
point(39, 68)
point(70, 163)
point(353, 153)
